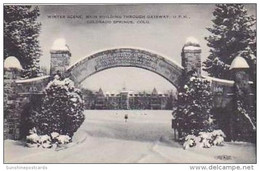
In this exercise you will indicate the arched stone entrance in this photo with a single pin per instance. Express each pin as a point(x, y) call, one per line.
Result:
point(120, 57)
point(125, 57)
point(224, 91)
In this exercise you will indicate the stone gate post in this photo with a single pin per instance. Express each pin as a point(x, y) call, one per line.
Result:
point(60, 57)
point(239, 73)
point(191, 57)
point(242, 95)
point(191, 62)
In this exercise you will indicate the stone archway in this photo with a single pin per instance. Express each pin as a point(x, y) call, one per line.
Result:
point(120, 57)
point(223, 90)
point(125, 57)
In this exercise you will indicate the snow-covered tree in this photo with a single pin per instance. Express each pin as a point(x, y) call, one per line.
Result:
point(21, 32)
point(233, 33)
point(61, 110)
point(204, 139)
point(194, 105)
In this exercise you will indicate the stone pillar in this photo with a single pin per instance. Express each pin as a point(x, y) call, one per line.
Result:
point(60, 57)
point(243, 98)
point(60, 60)
point(191, 62)
point(12, 112)
point(191, 57)
point(239, 73)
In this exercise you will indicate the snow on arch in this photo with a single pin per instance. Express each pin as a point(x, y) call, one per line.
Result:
point(12, 62)
point(60, 44)
point(239, 62)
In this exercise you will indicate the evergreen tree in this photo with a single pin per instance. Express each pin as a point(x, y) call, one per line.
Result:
point(194, 103)
point(61, 110)
point(21, 32)
point(233, 33)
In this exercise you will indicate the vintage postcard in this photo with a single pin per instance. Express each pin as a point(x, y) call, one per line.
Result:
point(129, 83)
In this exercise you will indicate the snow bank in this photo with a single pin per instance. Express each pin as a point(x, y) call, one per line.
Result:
point(143, 139)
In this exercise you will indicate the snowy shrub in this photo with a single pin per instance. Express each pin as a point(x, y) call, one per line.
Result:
point(218, 132)
point(60, 139)
point(190, 141)
point(218, 140)
point(218, 137)
point(35, 140)
point(63, 139)
point(54, 135)
point(32, 140)
point(45, 141)
point(45, 138)
point(32, 131)
point(204, 139)
point(61, 110)
point(209, 139)
point(194, 104)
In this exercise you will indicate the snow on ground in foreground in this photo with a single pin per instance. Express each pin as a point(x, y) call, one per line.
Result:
point(146, 137)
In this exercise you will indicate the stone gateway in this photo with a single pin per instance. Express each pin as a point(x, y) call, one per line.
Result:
point(125, 57)
point(27, 91)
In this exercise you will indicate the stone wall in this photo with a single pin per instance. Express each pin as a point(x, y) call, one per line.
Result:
point(17, 95)
point(20, 95)
point(13, 105)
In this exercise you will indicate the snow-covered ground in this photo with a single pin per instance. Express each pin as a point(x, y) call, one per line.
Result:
point(146, 137)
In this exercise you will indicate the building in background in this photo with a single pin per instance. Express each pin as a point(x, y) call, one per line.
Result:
point(100, 100)
point(129, 100)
